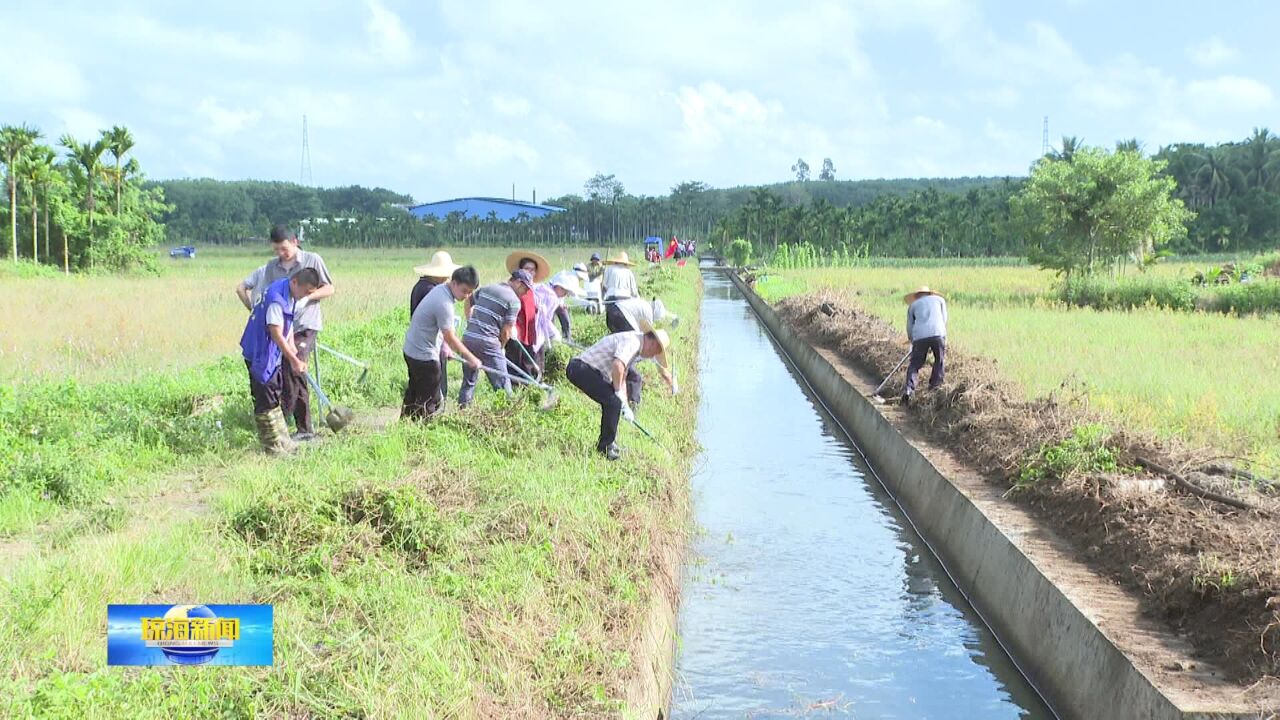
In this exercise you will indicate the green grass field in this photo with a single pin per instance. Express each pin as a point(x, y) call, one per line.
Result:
point(1201, 377)
point(485, 564)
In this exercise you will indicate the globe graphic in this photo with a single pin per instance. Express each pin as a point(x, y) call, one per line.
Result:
point(192, 655)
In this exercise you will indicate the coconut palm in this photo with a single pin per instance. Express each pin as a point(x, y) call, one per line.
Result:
point(14, 141)
point(119, 141)
point(1261, 158)
point(89, 157)
point(1216, 177)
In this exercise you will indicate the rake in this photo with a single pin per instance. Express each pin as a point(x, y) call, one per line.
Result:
point(550, 401)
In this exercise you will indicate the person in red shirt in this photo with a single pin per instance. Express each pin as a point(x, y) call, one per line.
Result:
point(520, 348)
point(673, 247)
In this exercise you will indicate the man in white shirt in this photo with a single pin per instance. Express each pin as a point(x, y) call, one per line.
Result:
point(601, 370)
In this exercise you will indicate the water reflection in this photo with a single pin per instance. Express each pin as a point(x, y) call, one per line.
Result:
point(808, 592)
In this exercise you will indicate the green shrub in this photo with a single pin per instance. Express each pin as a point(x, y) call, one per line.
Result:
point(1127, 293)
point(738, 253)
point(1084, 451)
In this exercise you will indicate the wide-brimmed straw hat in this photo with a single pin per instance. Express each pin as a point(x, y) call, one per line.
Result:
point(664, 340)
point(441, 265)
point(569, 281)
point(619, 259)
point(914, 294)
point(544, 268)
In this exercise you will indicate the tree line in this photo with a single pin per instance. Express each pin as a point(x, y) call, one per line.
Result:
point(53, 212)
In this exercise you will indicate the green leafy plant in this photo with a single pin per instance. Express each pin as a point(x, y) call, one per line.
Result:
point(738, 253)
point(1084, 451)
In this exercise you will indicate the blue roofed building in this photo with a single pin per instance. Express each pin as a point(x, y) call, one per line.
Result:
point(481, 207)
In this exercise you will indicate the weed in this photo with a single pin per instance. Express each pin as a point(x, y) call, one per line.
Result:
point(1085, 451)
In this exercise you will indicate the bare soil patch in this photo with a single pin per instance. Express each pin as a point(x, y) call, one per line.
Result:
point(1169, 526)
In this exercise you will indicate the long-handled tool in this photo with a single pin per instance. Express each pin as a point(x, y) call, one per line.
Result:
point(364, 367)
point(549, 402)
point(338, 416)
point(894, 371)
point(525, 351)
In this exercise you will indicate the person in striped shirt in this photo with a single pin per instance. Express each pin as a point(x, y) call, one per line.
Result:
point(491, 318)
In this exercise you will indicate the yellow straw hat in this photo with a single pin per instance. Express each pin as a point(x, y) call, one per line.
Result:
point(922, 290)
point(544, 268)
point(441, 265)
point(619, 259)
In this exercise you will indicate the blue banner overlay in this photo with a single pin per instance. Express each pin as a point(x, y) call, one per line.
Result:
point(190, 635)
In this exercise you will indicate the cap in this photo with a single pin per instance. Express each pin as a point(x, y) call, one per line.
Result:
point(524, 277)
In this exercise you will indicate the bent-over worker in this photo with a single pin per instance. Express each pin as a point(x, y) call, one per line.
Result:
point(431, 323)
point(639, 314)
point(601, 370)
point(266, 344)
point(927, 331)
point(491, 319)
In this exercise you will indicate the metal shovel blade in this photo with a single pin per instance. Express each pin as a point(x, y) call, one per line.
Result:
point(339, 417)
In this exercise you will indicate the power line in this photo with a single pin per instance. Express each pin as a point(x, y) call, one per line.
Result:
point(304, 174)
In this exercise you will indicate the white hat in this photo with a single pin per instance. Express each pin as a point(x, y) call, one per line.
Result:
point(441, 265)
point(567, 280)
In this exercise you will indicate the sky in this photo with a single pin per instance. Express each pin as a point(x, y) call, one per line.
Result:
point(470, 97)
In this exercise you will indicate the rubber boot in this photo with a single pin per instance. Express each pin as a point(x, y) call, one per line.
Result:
point(284, 445)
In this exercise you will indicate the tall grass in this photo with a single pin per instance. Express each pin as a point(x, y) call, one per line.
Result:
point(1198, 377)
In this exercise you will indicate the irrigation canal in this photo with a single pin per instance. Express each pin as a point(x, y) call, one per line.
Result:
point(807, 593)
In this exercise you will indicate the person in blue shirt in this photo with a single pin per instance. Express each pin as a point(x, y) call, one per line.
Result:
point(266, 344)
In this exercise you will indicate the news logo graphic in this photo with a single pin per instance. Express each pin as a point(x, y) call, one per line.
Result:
point(190, 635)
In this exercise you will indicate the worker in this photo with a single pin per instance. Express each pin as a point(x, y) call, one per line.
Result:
point(595, 268)
point(295, 398)
point(430, 324)
point(600, 373)
point(434, 273)
point(673, 249)
point(491, 320)
point(619, 284)
point(523, 348)
point(927, 331)
point(266, 344)
point(550, 297)
point(638, 314)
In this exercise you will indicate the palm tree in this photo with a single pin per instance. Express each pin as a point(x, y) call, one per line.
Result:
point(1131, 145)
point(1260, 158)
point(89, 157)
point(1070, 146)
point(119, 141)
point(14, 141)
point(1216, 178)
point(34, 169)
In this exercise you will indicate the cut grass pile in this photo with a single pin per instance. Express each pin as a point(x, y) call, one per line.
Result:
point(1196, 377)
point(485, 564)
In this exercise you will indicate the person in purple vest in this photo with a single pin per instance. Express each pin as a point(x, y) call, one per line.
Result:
point(266, 344)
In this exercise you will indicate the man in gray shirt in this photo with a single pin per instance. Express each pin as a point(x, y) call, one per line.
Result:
point(295, 398)
point(491, 318)
point(432, 323)
point(927, 331)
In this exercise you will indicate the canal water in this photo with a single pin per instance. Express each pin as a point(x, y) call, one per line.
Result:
point(807, 593)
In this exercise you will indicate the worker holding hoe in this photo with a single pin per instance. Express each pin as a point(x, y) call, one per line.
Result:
point(601, 370)
point(267, 344)
point(436, 272)
point(927, 331)
point(491, 319)
point(295, 396)
point(637, 314)
point(432, 321)
point(523, 348)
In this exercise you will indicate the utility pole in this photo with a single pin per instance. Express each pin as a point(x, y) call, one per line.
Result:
point(304, 173)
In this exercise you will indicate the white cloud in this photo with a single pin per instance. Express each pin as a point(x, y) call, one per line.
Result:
point(510, 105)
point(1213, 53)
point(709, 111)
point(387, 34)
point(1230, 92)
point(41, 77)
point(489, 150)
point(225, 121)
point(83, 124)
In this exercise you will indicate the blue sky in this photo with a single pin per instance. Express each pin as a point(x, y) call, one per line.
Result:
point(466, 97)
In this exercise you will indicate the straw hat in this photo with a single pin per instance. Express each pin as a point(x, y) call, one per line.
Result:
point(569, 281)
point(441, 265)
point(915, 294)
point(619, 259)
point(664, 340)
point(544, 267)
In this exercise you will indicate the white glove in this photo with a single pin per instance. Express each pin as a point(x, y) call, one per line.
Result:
point(675, 386)
point(627, 413)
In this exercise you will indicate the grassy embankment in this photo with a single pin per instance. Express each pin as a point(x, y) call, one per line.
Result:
point(1196, 376)
point(486, 564)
